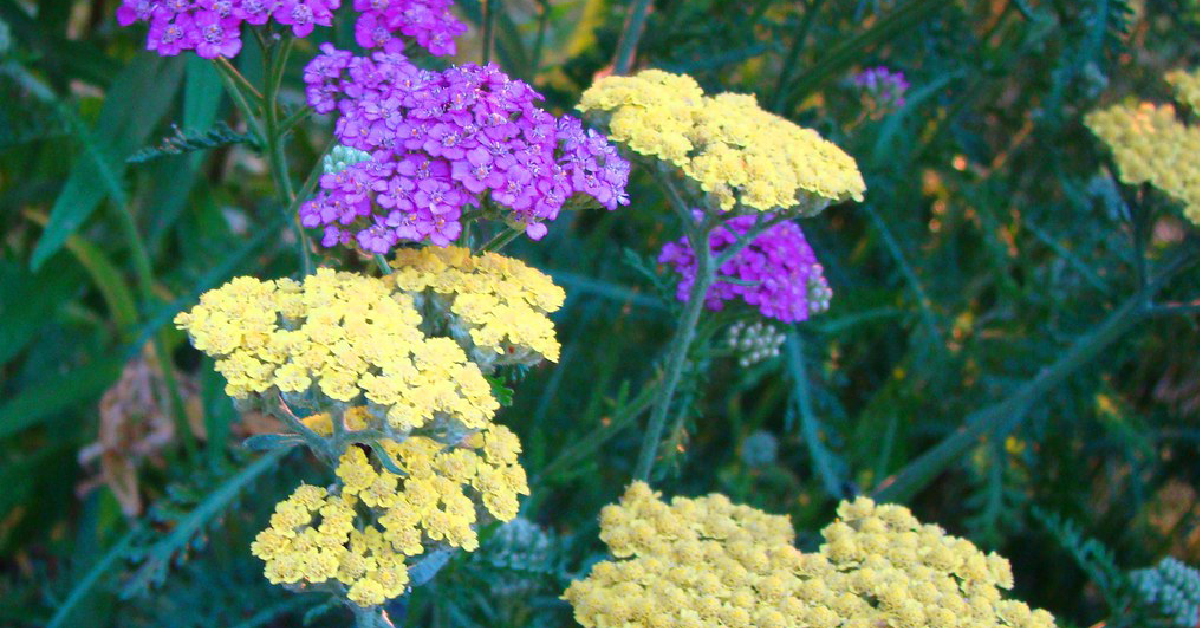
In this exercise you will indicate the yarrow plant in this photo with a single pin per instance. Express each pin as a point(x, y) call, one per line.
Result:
point(212, 28)
point(706, 561)
point(379, 377)
point(1151, 145)
point(441, 142)
point(723, 159)
point(777, 273)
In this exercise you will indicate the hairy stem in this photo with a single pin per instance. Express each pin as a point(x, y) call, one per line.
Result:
point(275, 60)
point(144, 272)
point(679, 350)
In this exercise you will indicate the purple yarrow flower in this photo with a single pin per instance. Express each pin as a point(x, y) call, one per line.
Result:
point(777, 273)
point(440, 140)
point(179, 25)
point(217, 36)
point(885, 88)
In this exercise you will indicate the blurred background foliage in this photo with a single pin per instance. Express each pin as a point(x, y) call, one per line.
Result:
point(1003, 352)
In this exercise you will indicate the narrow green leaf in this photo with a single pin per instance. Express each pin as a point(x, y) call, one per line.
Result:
point(54, 394)
point(201, 94)
point(138, 99)
point(29, 302)
point(104, 273)
point(85, 585)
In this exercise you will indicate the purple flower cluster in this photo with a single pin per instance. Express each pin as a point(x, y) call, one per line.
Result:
point(882, 85)
point(440, 140)
point(777, 273)
point(429, 22)
point(213, 27)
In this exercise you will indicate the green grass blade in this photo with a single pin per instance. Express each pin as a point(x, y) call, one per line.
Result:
point(53, 394)
point(85, 585)
point(138, 99)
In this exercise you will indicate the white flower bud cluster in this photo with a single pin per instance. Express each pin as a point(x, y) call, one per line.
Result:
point(760, 449)
point(1173, 587)
point(342, 157)
point(755, 342)
point(819, 292)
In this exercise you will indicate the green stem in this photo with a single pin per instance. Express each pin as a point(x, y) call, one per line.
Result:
point(489, 29)
point(366, 617)
point(918, 473)
point(501, 240)
point(275, 62)
point(145, 278)
point(808, 419)
point(539, 42)
point(678, 355)
point(793, 57)
point(635, 23)
point(234, 82)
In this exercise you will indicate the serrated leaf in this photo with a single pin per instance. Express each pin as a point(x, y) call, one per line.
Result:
point(56, 393)
point(159, 556)
point(137, 100)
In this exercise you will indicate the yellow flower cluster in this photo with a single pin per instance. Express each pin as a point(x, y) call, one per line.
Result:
point(429, 504)
point(498, 307)
point(351, 336)
point(313, 539)
point(705, 561)
point(736, 153)
point(1187, 87)
point(1150, 145)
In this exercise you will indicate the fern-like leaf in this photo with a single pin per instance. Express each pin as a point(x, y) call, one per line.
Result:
point(1092, 556)
point(186, 531)
point(186, 141)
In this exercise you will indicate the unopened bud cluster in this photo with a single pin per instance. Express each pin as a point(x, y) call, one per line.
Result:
point(342, 157)
point(754, 342)
point(1172, 587)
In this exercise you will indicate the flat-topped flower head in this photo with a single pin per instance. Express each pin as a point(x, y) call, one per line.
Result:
point(497, 307)
point(346, 338)
point(213, 27)
point(777, 273)
point(1150, 145)
point(439, 143)
point(1186, 86)
point(706, 562)
point(734, 154)
point(317, 537)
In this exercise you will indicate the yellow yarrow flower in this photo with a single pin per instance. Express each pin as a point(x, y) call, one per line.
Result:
point(498, 306)
point(317, 537)
point(705, 561)
point(1186, 86)
point(1150, 145)
point(351, 338)
point(735, 153)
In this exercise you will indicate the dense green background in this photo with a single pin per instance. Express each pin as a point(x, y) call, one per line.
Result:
point(995, 276)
